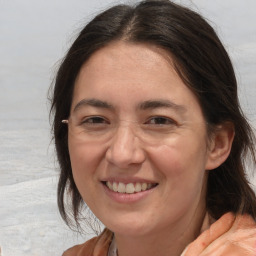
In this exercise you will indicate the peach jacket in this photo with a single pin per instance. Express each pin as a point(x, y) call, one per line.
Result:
point(228, 236)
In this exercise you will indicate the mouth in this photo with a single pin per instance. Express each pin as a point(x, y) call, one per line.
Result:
point(130, 188)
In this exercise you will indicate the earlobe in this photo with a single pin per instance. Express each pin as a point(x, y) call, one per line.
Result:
point(220, 145)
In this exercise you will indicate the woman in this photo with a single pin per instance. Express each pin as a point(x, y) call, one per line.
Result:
point(150, 135)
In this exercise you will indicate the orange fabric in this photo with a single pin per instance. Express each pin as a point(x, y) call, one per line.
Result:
point(228, 236)
point(97, 246)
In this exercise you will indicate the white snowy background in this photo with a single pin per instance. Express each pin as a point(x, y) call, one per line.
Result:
point(34, 35)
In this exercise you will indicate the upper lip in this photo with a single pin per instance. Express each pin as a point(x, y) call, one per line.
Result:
point(128, 180)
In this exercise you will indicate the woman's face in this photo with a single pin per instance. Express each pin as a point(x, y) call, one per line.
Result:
point(137, 141)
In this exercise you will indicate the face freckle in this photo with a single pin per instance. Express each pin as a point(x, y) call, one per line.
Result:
point(159, 137)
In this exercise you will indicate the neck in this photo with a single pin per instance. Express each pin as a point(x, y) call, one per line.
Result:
point(168, 241)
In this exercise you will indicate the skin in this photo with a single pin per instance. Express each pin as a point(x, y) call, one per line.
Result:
point(173, 152)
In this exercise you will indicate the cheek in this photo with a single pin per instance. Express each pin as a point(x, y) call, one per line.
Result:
point(182, 162)
point(182, 178)
point(167, 161)
point(84, 160)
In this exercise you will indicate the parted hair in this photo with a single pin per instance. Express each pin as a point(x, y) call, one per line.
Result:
point(204, 66)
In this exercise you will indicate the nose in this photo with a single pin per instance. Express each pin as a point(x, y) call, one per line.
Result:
point(125, 148)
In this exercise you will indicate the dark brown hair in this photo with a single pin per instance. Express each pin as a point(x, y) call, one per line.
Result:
point(202, 63)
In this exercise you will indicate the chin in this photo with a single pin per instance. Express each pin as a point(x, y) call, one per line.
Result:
point(129, 227)
point(132, 231)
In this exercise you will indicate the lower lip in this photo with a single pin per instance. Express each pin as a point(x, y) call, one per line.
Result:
point(126, 197)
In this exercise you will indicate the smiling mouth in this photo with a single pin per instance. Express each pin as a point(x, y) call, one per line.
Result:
point(130, 188)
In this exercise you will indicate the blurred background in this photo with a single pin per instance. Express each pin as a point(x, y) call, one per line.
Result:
point(34, 35)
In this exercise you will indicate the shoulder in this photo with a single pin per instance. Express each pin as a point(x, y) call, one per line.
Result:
point(229, 235)
point(77, 249)
point(94, 247)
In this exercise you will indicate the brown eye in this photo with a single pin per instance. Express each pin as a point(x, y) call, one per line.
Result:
point(94, 120)
point(158, 120)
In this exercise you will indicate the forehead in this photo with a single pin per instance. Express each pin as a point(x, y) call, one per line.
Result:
point(131, 51)
point(133, 59)
point(130, 72)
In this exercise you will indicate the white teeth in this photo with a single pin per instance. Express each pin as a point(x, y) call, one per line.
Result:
point(129, 188)
point(144, 186)
point(115, 186)
point(121, 187)
point(137, 187)
point(110, 185)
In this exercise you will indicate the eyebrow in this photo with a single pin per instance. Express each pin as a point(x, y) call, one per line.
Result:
point(149, 104)
point(152, 104)
point(93, 103)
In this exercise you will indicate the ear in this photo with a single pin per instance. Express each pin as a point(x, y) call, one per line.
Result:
point(220, 145)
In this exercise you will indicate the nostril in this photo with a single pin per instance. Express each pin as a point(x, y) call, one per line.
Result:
point(125, 149)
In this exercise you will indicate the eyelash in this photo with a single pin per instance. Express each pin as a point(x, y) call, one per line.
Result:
point(91, 120)
point(158, 120)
